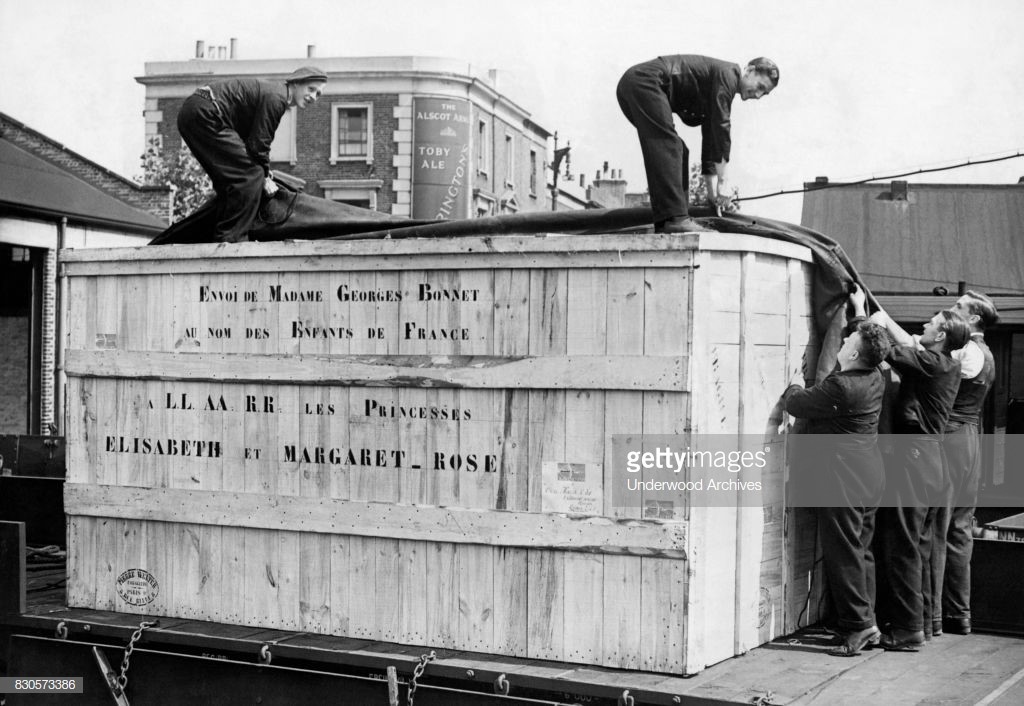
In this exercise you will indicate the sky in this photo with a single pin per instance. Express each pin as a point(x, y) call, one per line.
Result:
point(867, 88)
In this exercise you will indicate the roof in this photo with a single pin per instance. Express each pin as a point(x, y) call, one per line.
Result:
point(32, 184)
point(910, 238)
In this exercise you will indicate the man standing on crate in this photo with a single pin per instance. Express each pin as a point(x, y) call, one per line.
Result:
point(229, 127)
point(954, 542)
point(700, 90)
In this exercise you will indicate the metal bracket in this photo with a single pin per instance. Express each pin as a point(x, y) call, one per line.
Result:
point(626, 699)
point(62, 630)
point(501, 685)
point(110, 678)
point(265, 656)
point(392, 685)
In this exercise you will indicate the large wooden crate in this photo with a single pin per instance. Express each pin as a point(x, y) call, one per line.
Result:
point(365, 439)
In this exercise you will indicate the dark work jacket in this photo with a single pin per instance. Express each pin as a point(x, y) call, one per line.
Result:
point(928, 385)
point(253, 109)
point(700, 90)
point(845, 406)
point(972, 392)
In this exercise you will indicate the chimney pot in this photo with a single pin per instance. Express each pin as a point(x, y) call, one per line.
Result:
point(310, 51)
point(582, 178)
point(898, 190)
point(200, 48)
point(605, 168)
point(234, 48)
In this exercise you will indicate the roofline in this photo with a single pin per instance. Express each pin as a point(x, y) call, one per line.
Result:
point(433, 67)
point(874, 184)
point(8, 207)
point(109, 172)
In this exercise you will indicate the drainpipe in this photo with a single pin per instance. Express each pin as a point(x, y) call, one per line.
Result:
point(58, 332)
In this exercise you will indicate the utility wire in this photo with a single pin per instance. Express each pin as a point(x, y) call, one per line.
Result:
point(837, 185)
point(996, 289)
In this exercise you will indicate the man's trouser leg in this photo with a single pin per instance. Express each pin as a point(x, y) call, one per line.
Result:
point(963, 454)
point(236, 178)
point(666, 160)
point(844, 544)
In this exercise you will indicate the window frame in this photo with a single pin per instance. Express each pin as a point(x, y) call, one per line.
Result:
point(335, 156)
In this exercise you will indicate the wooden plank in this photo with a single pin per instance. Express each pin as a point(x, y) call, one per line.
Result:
point(362, 585)
point(476, 597)
point(583, 609)
point(315, 574)
point(623, 618)
point(554, 371)
point(412, 596)
point(392, 263)
point(341, 576)
point(442, 592)
point(437, 524)
point(663, 615)
point(510, 600)
point(81, 562)
point(508, 245)
point(545, 626)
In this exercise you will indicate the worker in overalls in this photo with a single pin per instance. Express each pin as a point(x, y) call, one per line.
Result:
point(700, 90)
point(229, 127)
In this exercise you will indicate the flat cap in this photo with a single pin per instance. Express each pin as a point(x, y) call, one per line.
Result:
point(306, 73)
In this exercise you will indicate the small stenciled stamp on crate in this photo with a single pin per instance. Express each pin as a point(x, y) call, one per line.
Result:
point(137, 587)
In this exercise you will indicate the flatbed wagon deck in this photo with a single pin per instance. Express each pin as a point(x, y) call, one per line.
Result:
point(951, 669)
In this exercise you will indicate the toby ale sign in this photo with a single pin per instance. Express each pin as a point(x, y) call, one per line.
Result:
point(440, 158)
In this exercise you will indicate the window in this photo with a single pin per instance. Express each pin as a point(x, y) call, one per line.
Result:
point(483, 149)
point(282, 149)
point(510, 162)
point(352, 132)
point(354, 192)
point(533, 172)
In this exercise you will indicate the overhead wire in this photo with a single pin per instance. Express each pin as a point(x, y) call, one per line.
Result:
point(923, 170)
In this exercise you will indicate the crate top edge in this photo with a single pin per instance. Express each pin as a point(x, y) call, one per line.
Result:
point(548, 244)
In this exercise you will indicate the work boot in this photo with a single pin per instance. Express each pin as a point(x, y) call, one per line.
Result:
point(680, 224)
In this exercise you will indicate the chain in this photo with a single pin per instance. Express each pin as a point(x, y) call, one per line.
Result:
point(418, 672)
point(122, 680)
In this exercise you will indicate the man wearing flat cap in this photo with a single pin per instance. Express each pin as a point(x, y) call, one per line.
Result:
point(229, 127)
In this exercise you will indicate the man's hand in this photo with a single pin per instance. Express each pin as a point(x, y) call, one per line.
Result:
point(269, 186)
point(858, 298)
point(797, 379)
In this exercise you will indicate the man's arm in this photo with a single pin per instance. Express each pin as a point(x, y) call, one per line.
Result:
point(901, 337)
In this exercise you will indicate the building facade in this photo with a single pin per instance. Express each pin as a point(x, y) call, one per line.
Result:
point(51, 198)
point(410, 136)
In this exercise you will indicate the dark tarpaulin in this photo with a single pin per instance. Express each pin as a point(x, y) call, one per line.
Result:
point(291, 214)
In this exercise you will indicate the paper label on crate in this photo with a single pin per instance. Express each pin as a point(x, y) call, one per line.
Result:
point(575, 488)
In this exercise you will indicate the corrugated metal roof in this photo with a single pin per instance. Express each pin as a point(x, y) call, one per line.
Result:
point(918, 308)
point(30, 183)
point(938, 235)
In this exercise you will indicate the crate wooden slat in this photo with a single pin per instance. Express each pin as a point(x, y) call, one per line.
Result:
point(364, 439)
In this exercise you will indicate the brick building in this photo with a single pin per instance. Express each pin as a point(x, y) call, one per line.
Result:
point(52, 197)
point(411, 136)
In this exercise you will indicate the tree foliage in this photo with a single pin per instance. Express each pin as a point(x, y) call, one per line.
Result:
point(699, 190)
point(190, 185)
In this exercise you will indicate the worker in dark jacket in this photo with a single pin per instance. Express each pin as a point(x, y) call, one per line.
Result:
point(846, 407)
point(229, 127)
point(951, 568)
point(700, 90)
point(917, 481)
